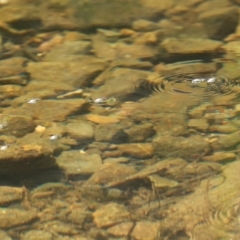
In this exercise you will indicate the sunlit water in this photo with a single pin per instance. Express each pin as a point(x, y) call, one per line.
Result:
point(158, 160)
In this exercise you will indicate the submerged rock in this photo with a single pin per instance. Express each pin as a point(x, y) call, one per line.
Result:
point(146, 230)
point(16, 217)
point(10, 194)
point(51, 110)
point(189, 149)
point(110, 214)
point(75, 163)
point(189, 46)
point(37, 235)
point(220, 22)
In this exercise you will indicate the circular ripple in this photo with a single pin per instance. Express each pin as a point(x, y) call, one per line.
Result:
point(203, 84)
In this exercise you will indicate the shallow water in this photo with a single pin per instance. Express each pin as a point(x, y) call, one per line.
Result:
point(119, 125)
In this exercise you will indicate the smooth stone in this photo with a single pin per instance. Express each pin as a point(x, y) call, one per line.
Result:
point(121, 229)
point(67, 72)
point(4, 235)
point(62, 51)
point(220, 156)
point(10, 194)
point(37, 235)
point(160, 182)
point(10, 91)
point(190, 148)
point(96, 118)
point(79, 216)
point(227, 141)
point(143, 25)
point(51, 110)
point(80, 130)
point(111, 132)
point(12, 66)
point(199, 124)
point(110, 172)
point(189, 45)
point(110, 214)
point(171, 165)
point(146, 230)
point(220, 22)
point(128, 78)
point(17, 125)
point(140, 150)
point(16, 217)
point(225, 128)
point(75, 163)
point(28, 154)
point(139, 133)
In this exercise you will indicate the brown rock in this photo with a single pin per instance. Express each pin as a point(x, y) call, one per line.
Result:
point(189, 45)
point(127, 77)
point(51, 110)
point(140, 150)
point(22, 158)
point(76, 163)
point(110, 172)
point(37, 235)
point(144, 25)
point(121, 50)
point(10, 194)
point(146, 230)
point(200, 124)
point(62, 51)
point(75, 73)
point(79, 216)
point(18, 125)
point(121, 230)
point(111, 132)
point(219, 23)
point(95, 118)
point(7, 69)
point(225, 128)
point(16, 217)
point(10, 91)
point(220, 156)
point(80, 130)
point(187, 148)
point(110, 214)
point(136, 51)
point(4, 235)
point(227, 141)
point(170, 165)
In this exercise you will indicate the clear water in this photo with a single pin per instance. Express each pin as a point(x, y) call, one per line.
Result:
point(103, 139)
